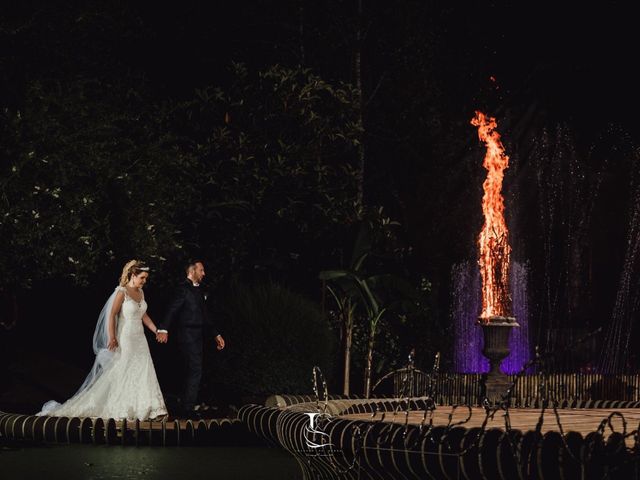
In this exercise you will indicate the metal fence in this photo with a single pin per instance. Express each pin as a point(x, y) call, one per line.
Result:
point(466, 388)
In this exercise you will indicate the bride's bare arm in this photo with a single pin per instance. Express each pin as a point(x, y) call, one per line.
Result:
point(111, 328)
point(146, 319)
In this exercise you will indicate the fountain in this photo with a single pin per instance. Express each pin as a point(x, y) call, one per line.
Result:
point(466, 303)
point(496, 320)
point(387, 436)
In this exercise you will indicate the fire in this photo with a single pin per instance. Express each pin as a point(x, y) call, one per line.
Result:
point(494, 237)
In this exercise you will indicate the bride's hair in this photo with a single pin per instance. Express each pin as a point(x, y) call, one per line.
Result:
point(132, 267)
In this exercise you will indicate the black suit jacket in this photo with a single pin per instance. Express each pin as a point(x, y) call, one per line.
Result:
point(188, 309)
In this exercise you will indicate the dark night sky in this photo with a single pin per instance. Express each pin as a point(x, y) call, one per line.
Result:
point(577, 64)
point(577, 60)
point(574, 63)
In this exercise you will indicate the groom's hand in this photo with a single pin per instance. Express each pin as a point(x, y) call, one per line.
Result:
point(162, 337)
point(219, 342)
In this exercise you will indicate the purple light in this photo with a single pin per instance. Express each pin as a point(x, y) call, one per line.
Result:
point(467, 305)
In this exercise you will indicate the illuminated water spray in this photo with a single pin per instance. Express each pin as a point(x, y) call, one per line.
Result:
point(494, 286)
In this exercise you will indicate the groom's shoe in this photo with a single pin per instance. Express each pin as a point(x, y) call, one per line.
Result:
point(194, 415)
point(203, 407)
point(191, 414)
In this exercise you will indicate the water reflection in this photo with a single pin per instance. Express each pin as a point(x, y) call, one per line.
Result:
point(89, 462)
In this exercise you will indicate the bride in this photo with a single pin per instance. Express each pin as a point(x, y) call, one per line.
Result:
point(122, 383)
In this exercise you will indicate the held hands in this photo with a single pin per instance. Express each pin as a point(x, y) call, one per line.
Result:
point(113, 344)
point(162, 337)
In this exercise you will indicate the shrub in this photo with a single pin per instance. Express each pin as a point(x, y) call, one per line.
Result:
point(274, 337)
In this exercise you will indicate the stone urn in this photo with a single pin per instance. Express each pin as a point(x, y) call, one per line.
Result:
point(496, 332)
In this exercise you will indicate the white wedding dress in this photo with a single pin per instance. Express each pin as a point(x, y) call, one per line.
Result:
point(127, 388)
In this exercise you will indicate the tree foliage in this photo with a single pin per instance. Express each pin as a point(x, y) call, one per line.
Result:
point(268, 167)
point(276, 338)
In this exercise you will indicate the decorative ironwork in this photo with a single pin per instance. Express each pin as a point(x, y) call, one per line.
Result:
point(388, 445)
point(98, 431)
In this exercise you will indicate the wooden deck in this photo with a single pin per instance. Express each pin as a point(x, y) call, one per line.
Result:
point(173, 431)
point(173, 423)
point(583, 421)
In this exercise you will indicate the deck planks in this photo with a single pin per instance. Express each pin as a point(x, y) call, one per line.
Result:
point(581, 420)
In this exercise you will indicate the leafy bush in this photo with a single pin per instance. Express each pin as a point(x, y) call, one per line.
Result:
point(273, 337)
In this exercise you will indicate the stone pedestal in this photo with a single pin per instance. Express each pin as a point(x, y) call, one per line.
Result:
point(496, 332)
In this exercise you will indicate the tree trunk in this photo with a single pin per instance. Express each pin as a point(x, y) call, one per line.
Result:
point(367, 370)
point(357, 67)
point(347, 362)
point(348, 338)
point(301, 30)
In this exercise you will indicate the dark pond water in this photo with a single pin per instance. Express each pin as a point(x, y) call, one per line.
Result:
point(89, 462)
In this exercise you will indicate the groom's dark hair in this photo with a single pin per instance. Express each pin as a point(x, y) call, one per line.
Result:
point(191, 263)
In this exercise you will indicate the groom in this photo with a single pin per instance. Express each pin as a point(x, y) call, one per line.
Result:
point(188, 314)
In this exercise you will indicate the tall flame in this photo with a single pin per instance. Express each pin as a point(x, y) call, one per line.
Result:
point(494, 237)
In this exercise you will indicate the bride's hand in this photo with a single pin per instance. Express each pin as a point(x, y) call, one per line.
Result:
point(113, 344)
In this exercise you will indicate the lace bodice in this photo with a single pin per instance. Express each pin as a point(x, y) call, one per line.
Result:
point(128, 387)
point(132, 309)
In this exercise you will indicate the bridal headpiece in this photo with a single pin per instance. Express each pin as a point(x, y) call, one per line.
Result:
point(132, 267)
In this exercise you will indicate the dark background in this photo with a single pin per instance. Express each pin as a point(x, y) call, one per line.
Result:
point(561, 81)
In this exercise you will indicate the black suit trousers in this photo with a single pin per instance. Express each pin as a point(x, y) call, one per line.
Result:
point(190, 341)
